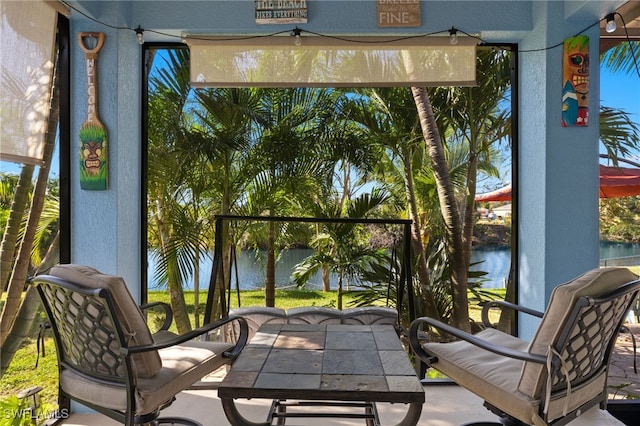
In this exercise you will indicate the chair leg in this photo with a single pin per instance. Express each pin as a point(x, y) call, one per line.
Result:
point(503, 421)
point(176, 421)
point(482, 424)
point(510, 421)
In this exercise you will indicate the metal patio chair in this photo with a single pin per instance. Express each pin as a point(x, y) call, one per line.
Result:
point(557, 376)
point(109, 360)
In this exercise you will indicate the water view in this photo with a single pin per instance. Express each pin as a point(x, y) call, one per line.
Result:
point(251, 267)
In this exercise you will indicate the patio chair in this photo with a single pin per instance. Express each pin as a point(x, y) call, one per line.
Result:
point(557, 376)
point(109, 360)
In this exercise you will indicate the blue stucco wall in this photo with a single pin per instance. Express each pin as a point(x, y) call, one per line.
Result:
point(558, 225)
point(558, 221)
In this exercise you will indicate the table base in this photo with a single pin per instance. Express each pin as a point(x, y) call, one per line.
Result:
point(283, 409)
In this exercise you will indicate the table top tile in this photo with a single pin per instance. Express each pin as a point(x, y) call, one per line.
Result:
point(291, 339)
point(361, 340)
point(288, 381)
point(355, 362)
point(294, 361)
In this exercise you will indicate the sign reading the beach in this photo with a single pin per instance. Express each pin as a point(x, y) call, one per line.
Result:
point(281, 11)
point(398, 13)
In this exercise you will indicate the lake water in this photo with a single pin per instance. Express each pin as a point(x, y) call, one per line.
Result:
point(251, 270)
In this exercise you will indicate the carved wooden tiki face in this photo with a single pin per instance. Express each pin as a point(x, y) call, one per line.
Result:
point(575, 82)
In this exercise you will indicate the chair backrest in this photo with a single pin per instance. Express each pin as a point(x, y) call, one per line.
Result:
point(92, 312)
point(579, 326)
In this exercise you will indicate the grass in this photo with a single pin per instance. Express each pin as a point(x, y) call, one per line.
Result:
point(22, 372)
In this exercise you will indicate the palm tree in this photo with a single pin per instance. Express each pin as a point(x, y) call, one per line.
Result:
point(21, 194)
point(288, 128)
point(339, 248)
point(389, 120)
point(474, 116)
point(465, 121)
point(623, 57)
point(167, 192)
point(225, 118)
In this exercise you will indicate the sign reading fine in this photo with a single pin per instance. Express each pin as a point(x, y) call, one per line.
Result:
point(399, 13)
point(281, 11)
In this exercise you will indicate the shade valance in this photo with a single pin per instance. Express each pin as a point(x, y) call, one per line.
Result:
point(331, 62)
point(27, 39)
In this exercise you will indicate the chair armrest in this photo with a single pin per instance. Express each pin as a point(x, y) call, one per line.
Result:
point(504, 304)
point(168, 312)
point(232, 353)
point(417, 348)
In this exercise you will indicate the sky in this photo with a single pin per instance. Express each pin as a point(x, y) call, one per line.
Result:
point(621, 91)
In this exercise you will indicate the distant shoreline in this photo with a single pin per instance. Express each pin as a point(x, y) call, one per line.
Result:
point(498, 235)
point(492, 235)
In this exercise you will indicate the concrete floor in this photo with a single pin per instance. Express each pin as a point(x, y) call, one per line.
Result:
point(446, 405)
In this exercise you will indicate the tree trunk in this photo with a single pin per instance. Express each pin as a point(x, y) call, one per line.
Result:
point(270, 284)
point(196, 290)
point(507, 316)
point(12, 230)
point(20, 330)
point(431, 309)
point(174, 286)
point(446, 195)
point(178, 306)
point(469, 202)
point(326, 278)
point(339, 292)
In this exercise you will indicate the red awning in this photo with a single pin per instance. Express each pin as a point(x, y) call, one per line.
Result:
point(502, 194)
point(614, 182)
point(619, 182)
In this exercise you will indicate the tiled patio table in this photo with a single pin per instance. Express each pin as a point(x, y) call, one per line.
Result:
point(322, 366)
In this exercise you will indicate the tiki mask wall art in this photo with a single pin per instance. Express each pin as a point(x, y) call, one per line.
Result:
point(575, 82)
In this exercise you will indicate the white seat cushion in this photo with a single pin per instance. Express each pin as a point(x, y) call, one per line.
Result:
point(486, 373)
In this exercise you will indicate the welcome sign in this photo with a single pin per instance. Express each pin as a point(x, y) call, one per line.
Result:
point(281, 11)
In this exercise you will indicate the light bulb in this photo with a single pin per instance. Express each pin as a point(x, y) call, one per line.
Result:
point(297, 37)
point(140, 35)
point(453, 36)
point(611, 23)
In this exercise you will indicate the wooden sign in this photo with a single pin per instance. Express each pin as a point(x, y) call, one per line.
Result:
point(399, 13)
point(281, 11)
point(93, 134)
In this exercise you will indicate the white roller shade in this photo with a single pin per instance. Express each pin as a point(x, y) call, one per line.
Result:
point(27, 47)
point(329, 62)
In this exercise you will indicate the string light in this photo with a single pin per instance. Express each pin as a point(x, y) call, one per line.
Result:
point(140, 35)
point(296, 32)
point(453, 36)
point(298, 37)
point(611, 23)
